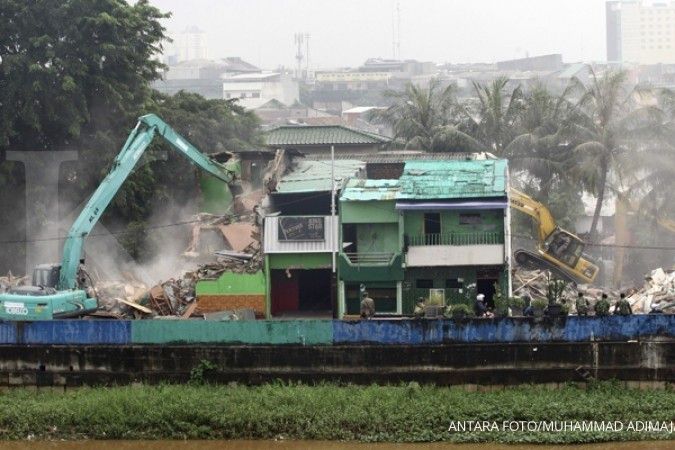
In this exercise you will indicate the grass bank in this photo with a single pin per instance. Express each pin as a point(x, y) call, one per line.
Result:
point(325, 412)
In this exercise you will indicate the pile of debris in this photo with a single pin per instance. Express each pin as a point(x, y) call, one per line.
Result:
point(10, 281)
point(534, 284)
point(656, 295)
point(175, 298)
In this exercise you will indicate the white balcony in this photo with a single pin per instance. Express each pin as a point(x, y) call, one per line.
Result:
point(455, 249)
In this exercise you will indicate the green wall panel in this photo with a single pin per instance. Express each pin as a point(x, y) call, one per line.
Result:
point(368, 212)
point(216, 195)
point(234, 283)
point(304, 332)
point(377, 238)
point(492, 220)
point(300, 261)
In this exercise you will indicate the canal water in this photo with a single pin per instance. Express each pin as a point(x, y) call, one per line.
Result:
point(310, 445)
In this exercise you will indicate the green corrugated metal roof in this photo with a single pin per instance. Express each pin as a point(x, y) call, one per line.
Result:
point(314, 176)
point(320, 135)
point(366, 190)
point(453, 179)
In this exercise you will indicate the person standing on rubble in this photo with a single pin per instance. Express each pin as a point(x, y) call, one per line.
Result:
point(582, 305)
point(367, 306)
point(623, 307)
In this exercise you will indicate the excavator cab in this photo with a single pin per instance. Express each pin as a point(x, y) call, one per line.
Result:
point(564, 247)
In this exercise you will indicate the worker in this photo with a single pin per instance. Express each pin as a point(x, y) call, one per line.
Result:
point(528, 311)
point(419, 307)
point(582, 305)
point(367, 306)
point(622, 307)
point(479, 307)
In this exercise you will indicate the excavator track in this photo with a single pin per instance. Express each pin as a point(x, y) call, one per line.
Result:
point(531, 260)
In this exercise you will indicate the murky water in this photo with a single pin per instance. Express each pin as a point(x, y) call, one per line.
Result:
point(311, 445)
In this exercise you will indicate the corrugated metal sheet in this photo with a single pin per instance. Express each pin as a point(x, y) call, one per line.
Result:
point(271, 243)
point(320, 135)
point(401, 156)
point(314, 176)
point(366, 190)
point(424, 180)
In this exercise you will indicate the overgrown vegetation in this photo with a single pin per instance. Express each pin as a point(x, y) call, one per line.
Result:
point(328, 412)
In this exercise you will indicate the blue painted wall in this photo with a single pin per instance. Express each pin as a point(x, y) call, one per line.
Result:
point(326, 332)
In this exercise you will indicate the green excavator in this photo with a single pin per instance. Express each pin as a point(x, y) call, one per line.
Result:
point(60, 290)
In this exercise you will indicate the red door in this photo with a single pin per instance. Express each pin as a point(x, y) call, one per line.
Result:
point(285, 292)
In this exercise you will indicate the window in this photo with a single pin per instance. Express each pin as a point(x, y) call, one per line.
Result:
point(432, 223)
point(424, 284)
point(453, 283)
point(470, 219)
point(255, 95)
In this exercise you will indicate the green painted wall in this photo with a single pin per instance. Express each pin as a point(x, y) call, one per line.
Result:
point(304, 332)
point(216, 195)
point(234, 283)
point(300, 261)
point(439, 275)
point(368, 212)
point(492, 220)
point(377, 238)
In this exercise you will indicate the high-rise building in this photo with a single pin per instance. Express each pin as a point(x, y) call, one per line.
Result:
point(641, 31)
point(187, 45)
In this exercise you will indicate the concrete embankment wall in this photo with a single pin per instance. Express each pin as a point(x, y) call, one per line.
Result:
point(487, 352)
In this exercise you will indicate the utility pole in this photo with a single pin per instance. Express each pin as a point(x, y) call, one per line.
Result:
point(332, 200)
point(299, 40)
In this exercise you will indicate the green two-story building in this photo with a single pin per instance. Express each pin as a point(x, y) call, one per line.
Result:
point(439, 231)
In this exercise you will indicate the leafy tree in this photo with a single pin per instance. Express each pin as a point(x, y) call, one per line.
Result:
point(70, 67)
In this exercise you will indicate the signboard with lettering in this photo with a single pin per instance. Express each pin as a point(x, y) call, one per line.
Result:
point(301, 228)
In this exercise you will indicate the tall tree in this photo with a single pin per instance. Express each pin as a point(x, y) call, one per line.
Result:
point(71, 65)
point(493, 120)
point(611, 123)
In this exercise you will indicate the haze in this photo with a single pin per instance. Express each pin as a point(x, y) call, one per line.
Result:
point(346, 32)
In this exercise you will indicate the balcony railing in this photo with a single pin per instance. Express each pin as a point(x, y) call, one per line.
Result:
point(482, 238)
point(369, 258)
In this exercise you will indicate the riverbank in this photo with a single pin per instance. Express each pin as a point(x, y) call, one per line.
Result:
point(406, 413)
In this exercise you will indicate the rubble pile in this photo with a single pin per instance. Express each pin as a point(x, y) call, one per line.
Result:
point(9, 281)
point(533, 283)
point(657, 294)
point(176, 297)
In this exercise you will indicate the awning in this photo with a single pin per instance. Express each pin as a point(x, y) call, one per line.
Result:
point(486, 204)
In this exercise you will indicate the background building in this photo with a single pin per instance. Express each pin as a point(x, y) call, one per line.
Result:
point(641, 32)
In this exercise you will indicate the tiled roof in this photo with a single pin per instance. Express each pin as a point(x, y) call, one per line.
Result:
point(320, 135)
point(367, 190)
point(423, 180)
point(314, 176)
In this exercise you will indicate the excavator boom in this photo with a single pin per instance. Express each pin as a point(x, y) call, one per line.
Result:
point(57, 292)
point(558, 250)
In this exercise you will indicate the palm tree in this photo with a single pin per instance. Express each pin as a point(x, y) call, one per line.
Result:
point(610, 125)
point(493, 120)
point(539, 151)
point(426, 118)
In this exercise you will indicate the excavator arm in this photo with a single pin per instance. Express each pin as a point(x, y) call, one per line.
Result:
point(540, 213)
point(558, 250)
point(146, 129)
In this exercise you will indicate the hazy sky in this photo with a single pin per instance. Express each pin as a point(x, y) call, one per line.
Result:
point(346, 32)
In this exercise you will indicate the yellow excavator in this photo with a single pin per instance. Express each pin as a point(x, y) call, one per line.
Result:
point(558, 250)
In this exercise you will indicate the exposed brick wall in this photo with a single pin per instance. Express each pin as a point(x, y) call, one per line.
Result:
point(213, 303)
point(384, 171)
